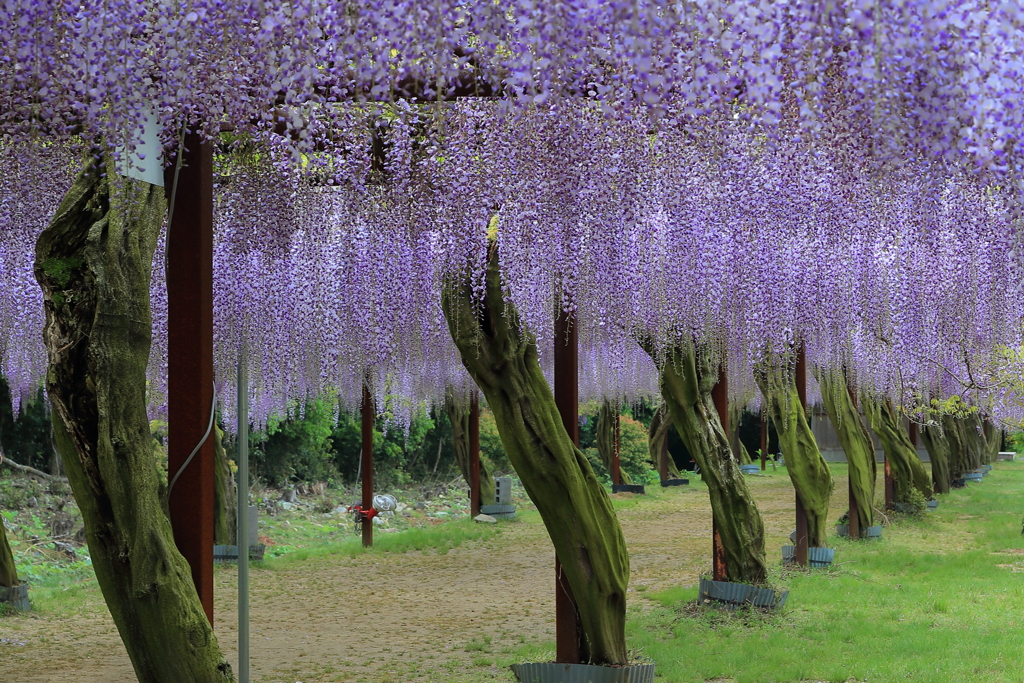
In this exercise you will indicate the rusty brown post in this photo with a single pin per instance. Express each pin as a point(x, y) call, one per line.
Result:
point(801, 513)
point(366, 462)
point(190, 386)
point(566, 361)
point(720, 397)
point(764, 441)
point(890, 503)
point(474, 456)
point(616, 472)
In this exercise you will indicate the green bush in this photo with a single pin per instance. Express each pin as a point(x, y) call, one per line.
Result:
point(633, 453)
point(296, 447)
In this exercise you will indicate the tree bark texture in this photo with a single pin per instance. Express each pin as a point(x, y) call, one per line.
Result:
point(605, 441)
point(908, 471)
point(938, 452)
point(8, 570)
point(953, 430)
point(661, 423)
point(807, 469)
point(502, 359)
point(855, 440)
point(974, 441)
point(93, 263)
point(225, 494)
point(687, 378)
point(993, 441)
point(458, 415)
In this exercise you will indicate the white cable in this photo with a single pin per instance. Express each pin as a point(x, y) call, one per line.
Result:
point(209, 428)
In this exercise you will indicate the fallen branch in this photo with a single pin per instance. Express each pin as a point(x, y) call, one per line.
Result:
point(27, 470)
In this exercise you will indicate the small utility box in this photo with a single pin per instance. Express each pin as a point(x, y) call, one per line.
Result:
point(1005, 455)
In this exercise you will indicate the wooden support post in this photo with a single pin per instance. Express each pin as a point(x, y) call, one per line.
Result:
point(474, 456)
point(366, 462)
point(764, 441)
point(566, 389)
point(801, 513)
point(616, 471)
point(190, 388)
point(890, 503)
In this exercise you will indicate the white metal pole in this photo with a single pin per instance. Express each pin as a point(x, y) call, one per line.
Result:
point(242, 524)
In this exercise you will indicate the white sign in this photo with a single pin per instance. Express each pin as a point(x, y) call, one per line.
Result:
point(145, 162)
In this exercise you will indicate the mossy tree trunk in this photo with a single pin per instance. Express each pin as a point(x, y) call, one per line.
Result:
point(994, 441)
point(8, 570)
point(807, 469)
point(661, 423)
point(952, 429)
point(974, 441)
point(855, 440)
point(225, 494)
point(458, 415)
point(735, 443)
point(93, 263)
point(908, 471)
point(687, 377)
point(937, 446)
point(605, 441)
point(501, 357)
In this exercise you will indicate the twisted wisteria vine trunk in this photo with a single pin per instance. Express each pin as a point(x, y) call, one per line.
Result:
point(458, 414)
point(855, 440)
point(937, 445)
point(8, 570)
point(225, 494)
point(93, 263)
point(908, 471)
point(657, 435)
point(502, 359)
point(605, 441)
point(952, 430)
point(993, 441)
point(807, 469)
point(687, 378)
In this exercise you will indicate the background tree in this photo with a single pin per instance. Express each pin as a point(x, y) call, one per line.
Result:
point(807, 469)
point(937, 445)
point(687, 377)
point(661, 424)
point(607, 419)
point(854, 438)
point(908, 471)
point(458, 415)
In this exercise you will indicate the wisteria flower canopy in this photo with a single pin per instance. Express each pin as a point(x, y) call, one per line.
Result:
point(751, 173)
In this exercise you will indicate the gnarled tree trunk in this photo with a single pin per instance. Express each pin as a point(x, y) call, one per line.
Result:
point(993, 441)
point(657, 435)
point(605, 441)
point(8, 570)
point(938, 452)
point(502, 359)
point(93, 263)
point(807, 469)
point(974, 441)
point(952, 429)
point(687, 378)
point(907, 469)
point(855, 440)
point(458, 415)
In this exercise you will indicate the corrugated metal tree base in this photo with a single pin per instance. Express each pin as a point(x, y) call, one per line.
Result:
point(732, 595)
point(552, 672)
point(674, 482)
point(750, 469)
point(816, 557)
point(871, 532)
point(628, 488)
point(498, 511)
point(229, 553)
point(16, 597)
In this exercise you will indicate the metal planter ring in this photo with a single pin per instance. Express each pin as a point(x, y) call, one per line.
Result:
point(732, 595)
point(552, 672)
point(16, 596)
point(750, 469)
point(816, 557)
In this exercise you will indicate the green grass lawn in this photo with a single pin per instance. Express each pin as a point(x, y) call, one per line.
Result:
point(939, 598)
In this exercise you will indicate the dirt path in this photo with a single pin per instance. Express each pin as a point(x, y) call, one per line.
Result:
point(384, 618)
